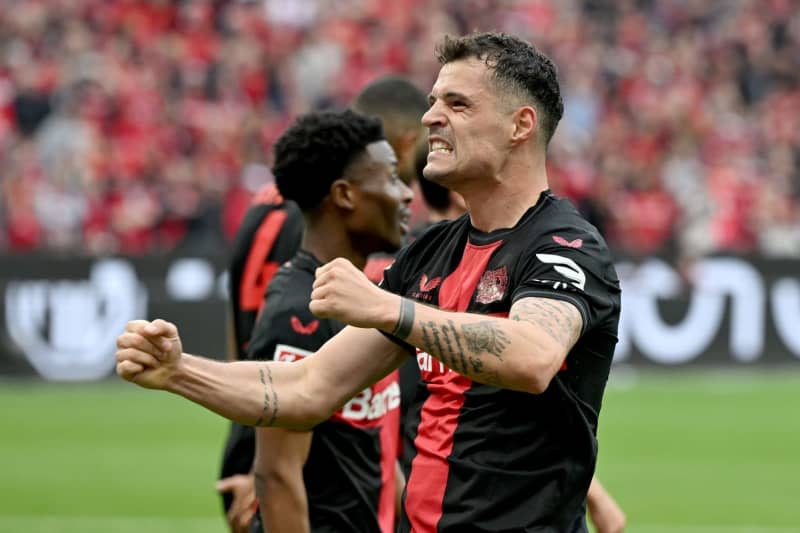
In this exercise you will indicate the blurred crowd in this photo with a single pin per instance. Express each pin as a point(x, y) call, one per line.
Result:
point(140, 126)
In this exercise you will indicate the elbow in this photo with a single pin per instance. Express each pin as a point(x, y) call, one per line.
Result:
point(314, 410)
point(540, 372)
point(536, 385)
point(307, 404)
point(308, 416)
point(276, 477)
point(319, 402)
point(537, 382)
point(317, 414)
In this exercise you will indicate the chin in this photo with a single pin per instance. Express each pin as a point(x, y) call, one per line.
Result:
point(435, 175)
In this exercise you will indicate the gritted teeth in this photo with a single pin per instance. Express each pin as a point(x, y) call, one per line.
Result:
point(440, 146)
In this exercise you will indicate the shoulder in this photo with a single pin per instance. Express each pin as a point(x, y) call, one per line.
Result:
point(267, 221)
point(292, 283)
point(286, 320)
point(559, 227)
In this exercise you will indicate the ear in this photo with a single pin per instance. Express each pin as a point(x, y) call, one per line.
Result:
point(526, 120)
point(343, 195)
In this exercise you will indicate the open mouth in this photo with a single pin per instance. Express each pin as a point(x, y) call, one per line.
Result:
point(437, 146)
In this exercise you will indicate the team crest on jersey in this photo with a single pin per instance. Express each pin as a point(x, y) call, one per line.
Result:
point(492, 286)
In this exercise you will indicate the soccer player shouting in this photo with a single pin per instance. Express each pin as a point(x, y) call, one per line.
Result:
point(511, 310)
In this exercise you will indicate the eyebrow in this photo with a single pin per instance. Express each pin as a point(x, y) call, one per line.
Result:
point(449, 95)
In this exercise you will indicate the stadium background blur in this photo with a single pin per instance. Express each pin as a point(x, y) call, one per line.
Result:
point(141, 129)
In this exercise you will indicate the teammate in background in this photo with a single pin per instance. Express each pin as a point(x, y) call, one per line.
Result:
point(400, 105)
point(513, 310)
point(342, 173)
point(270, 235)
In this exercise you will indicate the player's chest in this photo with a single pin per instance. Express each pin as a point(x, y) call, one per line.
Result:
point(475, 279)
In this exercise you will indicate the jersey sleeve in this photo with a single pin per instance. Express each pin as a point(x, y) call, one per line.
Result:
point(574, 267)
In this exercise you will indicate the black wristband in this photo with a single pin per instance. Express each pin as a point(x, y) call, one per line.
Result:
point(406, 320)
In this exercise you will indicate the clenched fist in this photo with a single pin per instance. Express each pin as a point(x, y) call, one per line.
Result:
point(343, 292)
point(148, 353)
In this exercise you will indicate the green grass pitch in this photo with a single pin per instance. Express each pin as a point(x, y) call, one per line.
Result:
point(701, 452)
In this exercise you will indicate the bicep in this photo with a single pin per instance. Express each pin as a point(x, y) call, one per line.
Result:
point(349, 362)
point(558, 322)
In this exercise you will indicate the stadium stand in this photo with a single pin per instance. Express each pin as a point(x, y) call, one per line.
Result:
point(138, 127)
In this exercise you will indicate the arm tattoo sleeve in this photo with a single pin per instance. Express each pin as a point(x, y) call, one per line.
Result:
point(450, 351)
point(555, 317)
point(463, 350)
point(271, 405)
point(485, 336)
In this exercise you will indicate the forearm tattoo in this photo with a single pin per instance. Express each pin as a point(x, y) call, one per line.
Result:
point(433, 335)
point(405, 321)
point(554, 317)
point(445, 342)
point(485, 336)
point(271, 405)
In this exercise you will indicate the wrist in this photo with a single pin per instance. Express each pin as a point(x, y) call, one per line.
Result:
point(178, 373)
point(403, 318)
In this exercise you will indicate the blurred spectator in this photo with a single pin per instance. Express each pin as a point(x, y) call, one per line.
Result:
point(140, 127)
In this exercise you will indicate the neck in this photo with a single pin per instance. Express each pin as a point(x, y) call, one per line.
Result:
point(448, 213)
point(501, 202)
point(328, 240)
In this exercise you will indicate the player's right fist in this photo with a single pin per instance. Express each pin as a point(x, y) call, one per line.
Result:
point(148, 353)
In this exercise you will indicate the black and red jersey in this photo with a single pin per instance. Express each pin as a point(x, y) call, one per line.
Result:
point(268, 236)
point(350, 474)
point(490, 459)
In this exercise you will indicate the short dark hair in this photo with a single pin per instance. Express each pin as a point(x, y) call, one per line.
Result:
point(396, 101)
point(317, 150)
point(518, 67)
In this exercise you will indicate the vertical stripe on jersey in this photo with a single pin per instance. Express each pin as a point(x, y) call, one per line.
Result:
point(257, 270)
point(390, 426)
point(439, 414)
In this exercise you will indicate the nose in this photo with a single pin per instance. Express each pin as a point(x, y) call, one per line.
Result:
point(433, 116)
